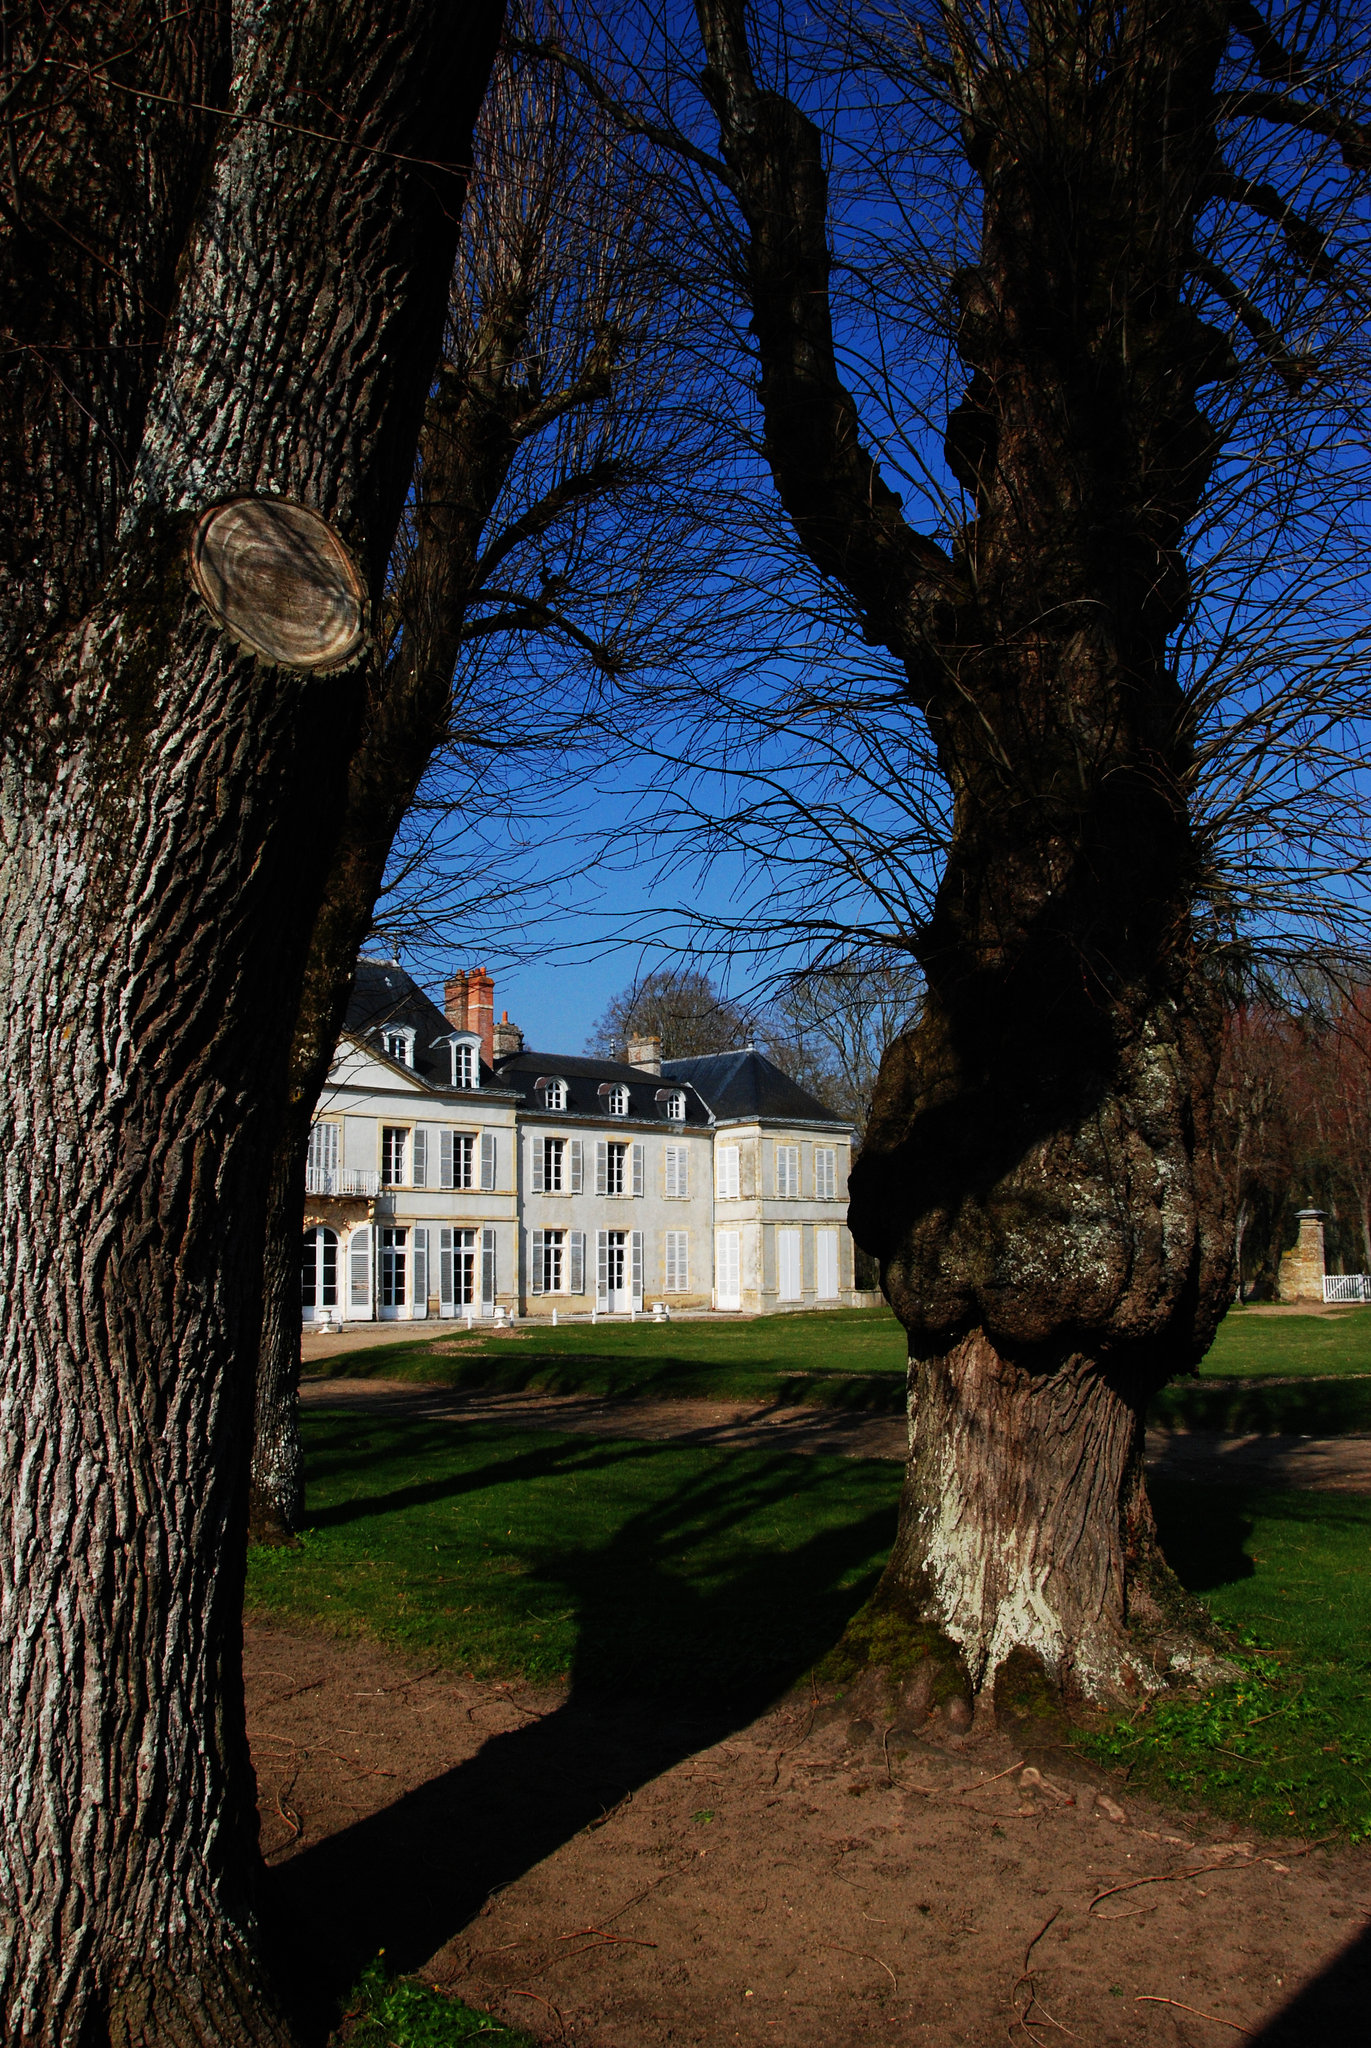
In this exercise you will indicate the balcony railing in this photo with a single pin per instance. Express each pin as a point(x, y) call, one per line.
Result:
point(340, 1180)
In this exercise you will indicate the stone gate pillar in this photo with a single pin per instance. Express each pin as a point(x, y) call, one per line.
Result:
point(1300, 1275)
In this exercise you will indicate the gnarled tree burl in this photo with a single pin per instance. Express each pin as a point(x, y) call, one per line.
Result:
point(1038, 1177)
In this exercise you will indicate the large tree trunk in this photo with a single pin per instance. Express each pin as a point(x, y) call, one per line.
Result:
point(167, 808)
point(1037, 1176)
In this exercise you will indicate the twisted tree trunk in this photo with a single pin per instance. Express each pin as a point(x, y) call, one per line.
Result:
point(1038, 1176)
point(217, 308)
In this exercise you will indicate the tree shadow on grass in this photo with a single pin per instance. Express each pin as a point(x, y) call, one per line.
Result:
point(1204, 1532)
point(665, 1666)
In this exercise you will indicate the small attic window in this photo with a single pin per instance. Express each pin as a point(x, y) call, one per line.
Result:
point(614, 1095)
point(398, 1042)
point(673, 1104)
point(553, 1091)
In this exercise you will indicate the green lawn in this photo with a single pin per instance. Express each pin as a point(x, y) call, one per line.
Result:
point(711, 1575)
point(1250, 1345)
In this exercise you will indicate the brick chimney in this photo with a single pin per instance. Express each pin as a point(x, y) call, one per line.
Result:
point(509, 1039)
point(469, 1005)
point(645, 1053)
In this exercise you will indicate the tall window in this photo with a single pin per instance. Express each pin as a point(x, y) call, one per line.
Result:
point(554, 1159)
point(726, 1169)
point(394, 1151)
point(616, 1169)
point(677, 1261)
point(456, 1270)
point(550, 1256)
point(677, 1172)
point(319, 1273)
point(456, 1151)
point(825, 1172)
point(321, 1162)
point(789, 1270)
point(787, 1169)
point(466, 1067)
point(393, 1260)
point(399, 1043)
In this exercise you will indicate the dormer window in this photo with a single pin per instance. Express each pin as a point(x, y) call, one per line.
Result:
point(673, 1104)
point(464, 1054)
point(551, 1090)
point(614, 1096)
point(397, 1041)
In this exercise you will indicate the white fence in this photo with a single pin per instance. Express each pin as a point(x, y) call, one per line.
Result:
point(340, 1180)
point(1347, 1286)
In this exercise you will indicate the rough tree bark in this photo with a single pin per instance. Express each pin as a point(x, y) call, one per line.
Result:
point(211, 306)
point(479, 415)
point(1038, 1176)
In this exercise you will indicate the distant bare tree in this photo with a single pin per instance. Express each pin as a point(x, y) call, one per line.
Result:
point(679, 1005)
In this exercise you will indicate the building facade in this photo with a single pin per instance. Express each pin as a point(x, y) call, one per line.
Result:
point(453, 1174)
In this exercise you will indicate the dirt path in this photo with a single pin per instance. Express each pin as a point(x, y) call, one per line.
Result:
point(1323, 1464)
point(606, 1873)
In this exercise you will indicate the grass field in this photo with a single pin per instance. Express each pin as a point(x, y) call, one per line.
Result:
point(855, 1358)
point(720, 1575)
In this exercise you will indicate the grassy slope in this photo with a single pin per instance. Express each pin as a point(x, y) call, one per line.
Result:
point(728, 1573)
point(854, 1358)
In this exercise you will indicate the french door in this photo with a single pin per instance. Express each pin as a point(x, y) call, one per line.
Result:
point(319, 1273)
point(728, 1270)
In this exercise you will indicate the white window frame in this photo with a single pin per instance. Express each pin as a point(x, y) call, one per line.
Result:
point(674, 1108)
point(676, 1173)
point(389, 1132)
point(466, 1066)
point(616, 1099)
point(393, 1267)
point(825, 1173)
point(554, 1094)
point(397, 1042)
point(314, 1263)
point(457, 1251)
point(548, 1262)
point(787, 1171)
point(728, 1269)
point(728, 1173)
point(618, 1167)
point(456, 1159)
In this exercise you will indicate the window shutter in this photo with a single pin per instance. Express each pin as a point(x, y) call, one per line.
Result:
point(602, 1268)
point(419, 1297)
point(637, 1244)
point(576, 1283)
point(576, 1171)
point(447, 1294)
point(537, 1165)
point(420, 1157)
point(446, 1177)
point(683, 1171)
point(487, 1261)
point(536, 1238)
point(359, 1270)
point(601, 1166)
point(488, 1162)
point(669, 1172)
point(728, 1173)
point(637, 1169)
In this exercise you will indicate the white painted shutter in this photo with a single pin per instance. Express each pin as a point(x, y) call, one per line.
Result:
point(359, 1271)
point(420, 1163)
point(536, 1241)
point(447, 1291)
point(728, 1173)
point(826, 1264)
point(788, 1265)
point(576, 1239)
point(574, 1150)
point(602, 1267)
point(487, 1262)
point(537, 1165)
point(419, 1298)
point(487, 1160)
point(601, 1165)
point(637, 1169)
point(636, 1239)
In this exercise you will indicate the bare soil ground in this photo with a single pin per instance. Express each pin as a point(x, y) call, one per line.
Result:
point(603, 1873)
point(1322, 1464)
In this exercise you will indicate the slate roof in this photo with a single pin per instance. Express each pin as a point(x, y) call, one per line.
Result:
point(383, 994)
point(747, 1084)
point(584, 1077)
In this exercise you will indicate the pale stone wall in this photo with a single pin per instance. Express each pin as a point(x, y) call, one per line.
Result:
point(1300, 1277)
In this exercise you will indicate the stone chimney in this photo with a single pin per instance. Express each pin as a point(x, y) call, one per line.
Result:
point(645, 1053)
point(469, 1005)
point(1300, 1274)
point(509, 1039)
